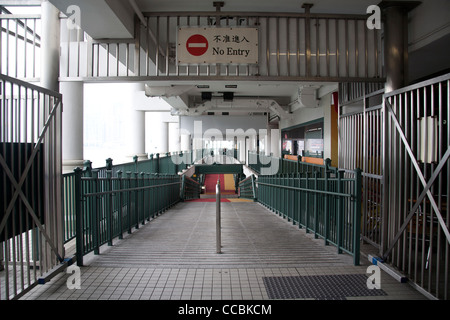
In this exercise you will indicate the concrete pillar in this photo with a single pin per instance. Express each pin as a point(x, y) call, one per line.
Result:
point(174, 137)
point(185, 142)
point(267, 142)
point(72, 129)
point(164, 138)
point(137, 137)
point(50, 46)
point(275, 142)
point(396, 42)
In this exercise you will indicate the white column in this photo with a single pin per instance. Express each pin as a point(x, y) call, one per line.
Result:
point(275, 143)
point(137, 137)
point(185, 142)
point(164, 138)
point(136, 124)
point(267, 142)
point(174, 137)
point(50, 46)
point(241, 147)
point(72, 129)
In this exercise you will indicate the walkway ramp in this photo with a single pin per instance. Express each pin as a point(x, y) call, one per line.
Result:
point(252, 237)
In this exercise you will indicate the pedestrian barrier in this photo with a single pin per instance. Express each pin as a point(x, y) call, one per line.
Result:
point(106, 207)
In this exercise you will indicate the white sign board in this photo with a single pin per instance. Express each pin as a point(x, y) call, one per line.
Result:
point(210, 45)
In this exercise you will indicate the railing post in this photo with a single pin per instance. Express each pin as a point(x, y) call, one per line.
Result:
point(339, 213)
point(307, 203)
point(135, 160)
point(120, 201)
point(149, 199)
point(157, 163)
point(136, 199)
point(79, 216)
point(95, 213)
point(129, 205)
point(109, 163)
point(316, 215)
point(326, 203)
point(218, 217)
point(108, 209)
point(357, 217)
point(143, 198)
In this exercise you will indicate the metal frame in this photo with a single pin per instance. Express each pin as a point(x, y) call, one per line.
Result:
point(32, 116)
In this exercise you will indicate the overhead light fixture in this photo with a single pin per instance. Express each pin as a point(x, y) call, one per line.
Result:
point(203, 86)
point(231, 86)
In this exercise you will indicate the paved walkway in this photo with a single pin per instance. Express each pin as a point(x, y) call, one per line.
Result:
point(263, 257)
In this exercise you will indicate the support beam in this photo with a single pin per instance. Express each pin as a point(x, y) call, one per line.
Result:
point(72, 129)
point(50, 46)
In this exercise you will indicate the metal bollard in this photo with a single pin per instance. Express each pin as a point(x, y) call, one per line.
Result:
point(218, 225)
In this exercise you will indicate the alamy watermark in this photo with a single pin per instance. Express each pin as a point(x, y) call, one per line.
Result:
point(73, 17)
point(374, 21)
point(374, 280)
point(74, 280)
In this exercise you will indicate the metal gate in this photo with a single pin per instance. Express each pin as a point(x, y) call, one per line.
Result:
point(31, 230)
point(360, 146)
point(416, 228)
point(401, 142)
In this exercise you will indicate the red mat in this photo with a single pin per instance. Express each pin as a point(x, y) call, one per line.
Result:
point(211, 181)
point(209, 200)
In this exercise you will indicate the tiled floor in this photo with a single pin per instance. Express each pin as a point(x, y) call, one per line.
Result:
point(173, 258)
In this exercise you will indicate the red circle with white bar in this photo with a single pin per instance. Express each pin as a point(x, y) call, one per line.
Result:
point(197, 45)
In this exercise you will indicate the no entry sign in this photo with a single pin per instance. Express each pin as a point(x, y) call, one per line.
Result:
point(197, 45)
point(211, 45)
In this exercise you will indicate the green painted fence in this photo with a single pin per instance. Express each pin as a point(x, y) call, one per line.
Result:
point(190, 189)
point(274, 165)
point(329, 207)
point(247, 188)
point(107, 207)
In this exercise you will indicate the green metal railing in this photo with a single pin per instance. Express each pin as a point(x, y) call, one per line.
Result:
point(247, 188)
point(106, 207)
point(190, 189)
point(284, 166)
point(330, 207)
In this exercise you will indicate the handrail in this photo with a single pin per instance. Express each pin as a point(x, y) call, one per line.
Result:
point(108, 206)
point(247, 188)
point(330, 207)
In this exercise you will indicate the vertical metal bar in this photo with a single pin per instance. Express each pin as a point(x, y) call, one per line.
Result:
point(167, 44)
point(16, 50)
point(298, 40)
point(317, 48)
point(339, 213)
point(356, 48)
point(347, 63)
point(147, 47)
point(7, 47)
point(267, 46)
point(68, 52)
point(277, 32)
point(218, 220)
point(79, 217)
point(327, 40)
point(366, 53)
point(337, 48)
point(377, 73)
point(288, 51)
point(176, 64)
point(308, 44)
point(25, 44)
